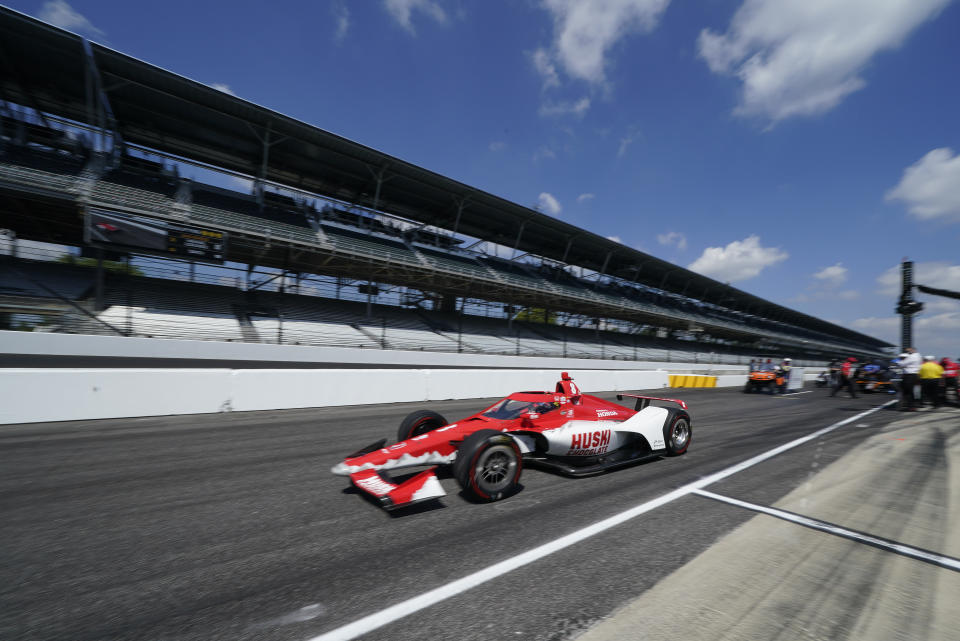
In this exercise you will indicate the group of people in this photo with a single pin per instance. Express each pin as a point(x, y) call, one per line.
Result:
point(937, 380)
point(760, 365)
point(781, 370)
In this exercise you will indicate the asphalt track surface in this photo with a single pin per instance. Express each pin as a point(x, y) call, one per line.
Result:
point(231, 526)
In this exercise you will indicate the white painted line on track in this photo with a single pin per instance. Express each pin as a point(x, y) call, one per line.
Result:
point(432, 597)
point(789, 394)
point(824, 526)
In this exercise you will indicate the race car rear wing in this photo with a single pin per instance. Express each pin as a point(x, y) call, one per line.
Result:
point(644, 401)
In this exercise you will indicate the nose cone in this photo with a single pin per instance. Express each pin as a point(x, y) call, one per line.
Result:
point(340, 469)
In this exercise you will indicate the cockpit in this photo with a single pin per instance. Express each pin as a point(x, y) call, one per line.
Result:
point(510, 408)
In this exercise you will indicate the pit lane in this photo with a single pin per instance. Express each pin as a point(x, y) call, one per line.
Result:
point(230, 526)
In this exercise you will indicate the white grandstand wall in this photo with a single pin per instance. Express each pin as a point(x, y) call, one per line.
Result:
point(43, 395)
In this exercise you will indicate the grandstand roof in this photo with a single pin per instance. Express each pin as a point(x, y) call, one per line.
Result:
point(45, 67)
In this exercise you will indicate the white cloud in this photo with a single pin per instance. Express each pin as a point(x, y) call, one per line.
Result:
point(546, 68)
point(673, 238)
point(832, 276)
point(342, 16)
point(497, 145)
point(583, 198)
point(615, 239)
point(939, 274)
point(543, 152)
point(803, 57)
point(935, 334)
point(225, 88)
point(740, 260)
point(885, 327)
point(547, 203)
point(821, 294)
point(941, 305)
point(586, 30)
point(632, 135)
point(566, 108)
point(402, 11)
point(60, 14)
point(930, 187)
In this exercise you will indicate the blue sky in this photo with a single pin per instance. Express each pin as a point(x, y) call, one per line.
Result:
point(795, 148)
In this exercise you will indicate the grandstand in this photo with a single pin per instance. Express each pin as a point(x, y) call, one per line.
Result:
point(333, 244)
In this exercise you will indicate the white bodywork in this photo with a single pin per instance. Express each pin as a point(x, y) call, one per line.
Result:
point(593, 438)
point(648, 423)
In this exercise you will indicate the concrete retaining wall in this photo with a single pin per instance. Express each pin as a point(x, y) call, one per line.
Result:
point(732, 380)
point(39, 395)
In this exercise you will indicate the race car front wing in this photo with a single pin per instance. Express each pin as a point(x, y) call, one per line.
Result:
point(420, 487)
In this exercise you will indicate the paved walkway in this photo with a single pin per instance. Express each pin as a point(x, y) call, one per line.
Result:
point(774, 578)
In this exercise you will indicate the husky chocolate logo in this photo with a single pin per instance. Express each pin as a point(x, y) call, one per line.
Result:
point(589, 443)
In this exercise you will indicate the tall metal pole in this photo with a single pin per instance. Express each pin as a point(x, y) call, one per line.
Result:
point(906, 297)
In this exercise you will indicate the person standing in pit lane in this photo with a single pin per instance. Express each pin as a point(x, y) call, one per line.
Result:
point(951, 372)
point(834, 369)
point(784, 374)
point(910, 363)
point(847, 378)
point(931, 381)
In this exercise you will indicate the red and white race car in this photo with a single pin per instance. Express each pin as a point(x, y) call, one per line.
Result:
point(572, 433)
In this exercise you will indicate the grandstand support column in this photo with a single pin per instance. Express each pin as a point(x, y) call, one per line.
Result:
point(516, 245)
point(98, 288)
point(460, 332)
point(606, 263)
point(566, 251)
point(264, 158)
point(99, 112)
point(461, 205)
point(378, 175)
point(663, 281)
point(11, 235)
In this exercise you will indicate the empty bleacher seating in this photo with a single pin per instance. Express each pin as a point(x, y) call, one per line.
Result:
point(36, 167)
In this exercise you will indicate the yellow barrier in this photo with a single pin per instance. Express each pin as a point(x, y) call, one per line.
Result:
point(677, 380)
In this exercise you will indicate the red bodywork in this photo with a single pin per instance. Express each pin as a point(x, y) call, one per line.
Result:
point(545, 411)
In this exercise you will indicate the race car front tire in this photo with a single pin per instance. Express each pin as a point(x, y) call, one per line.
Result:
point(419, 422)
point(677, 432)
point(488, 466)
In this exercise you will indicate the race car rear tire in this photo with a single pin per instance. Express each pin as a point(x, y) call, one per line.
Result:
point(488, 466)
point(748, 387)
point(419, 422)
point(677, 432)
